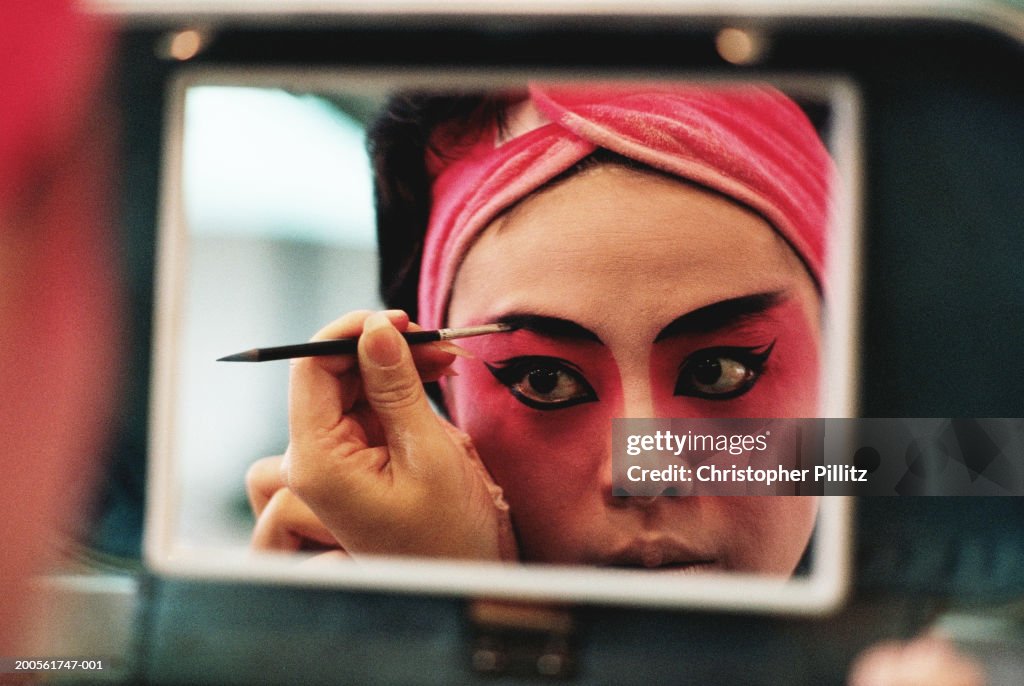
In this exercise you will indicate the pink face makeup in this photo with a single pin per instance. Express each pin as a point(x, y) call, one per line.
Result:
point(548, 363)
point(710, 314)
point(700, 374)
point(569, 367)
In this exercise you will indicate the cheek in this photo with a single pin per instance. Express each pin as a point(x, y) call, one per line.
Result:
point(790, 383)
point(553, 466)
point(766, 534)
point(525, 448)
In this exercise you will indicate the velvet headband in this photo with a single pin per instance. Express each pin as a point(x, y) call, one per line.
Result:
point(750, 143)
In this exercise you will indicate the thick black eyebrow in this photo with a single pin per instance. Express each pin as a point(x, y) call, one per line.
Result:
point(551, 327)
point(719, 315)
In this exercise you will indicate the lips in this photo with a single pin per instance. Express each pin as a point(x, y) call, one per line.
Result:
point(660, 555)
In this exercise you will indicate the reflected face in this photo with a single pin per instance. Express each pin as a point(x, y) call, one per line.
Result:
point(638, 296)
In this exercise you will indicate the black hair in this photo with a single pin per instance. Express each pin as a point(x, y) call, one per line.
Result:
point(398, 143)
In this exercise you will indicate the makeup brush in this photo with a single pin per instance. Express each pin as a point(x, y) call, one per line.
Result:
point(348, 346)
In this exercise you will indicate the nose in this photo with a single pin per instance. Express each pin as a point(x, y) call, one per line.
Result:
point(637, 403)
point(637, 400)
point(621, 497)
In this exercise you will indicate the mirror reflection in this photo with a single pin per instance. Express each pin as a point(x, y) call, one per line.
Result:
point(659, 250)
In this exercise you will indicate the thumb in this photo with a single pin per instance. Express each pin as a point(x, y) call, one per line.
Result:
point(393, 389)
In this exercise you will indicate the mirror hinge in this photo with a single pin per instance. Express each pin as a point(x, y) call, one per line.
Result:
point(521, 639)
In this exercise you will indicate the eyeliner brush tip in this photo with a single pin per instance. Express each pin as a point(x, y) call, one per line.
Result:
point(247, 356)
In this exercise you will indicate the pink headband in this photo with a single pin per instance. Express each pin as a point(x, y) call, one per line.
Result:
point(751, 143)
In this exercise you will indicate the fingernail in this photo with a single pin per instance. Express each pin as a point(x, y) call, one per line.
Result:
point(449, 372)
point(458, 351)
point(394, 314)
point(383, 343)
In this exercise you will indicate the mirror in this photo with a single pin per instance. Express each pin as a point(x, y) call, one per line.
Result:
point(268, 233)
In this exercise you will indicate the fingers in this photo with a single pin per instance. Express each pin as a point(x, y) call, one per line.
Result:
point(349, 325)
point(261, 482)
point(287, 523)
point(431, 359)
point(331, 557)
point(283, 521)
point(394, 390)
point(350, 419)
point(322, 389)
point(372, 469)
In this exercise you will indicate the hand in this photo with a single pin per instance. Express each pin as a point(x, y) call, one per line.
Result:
point(373, 462)
point(283, 521)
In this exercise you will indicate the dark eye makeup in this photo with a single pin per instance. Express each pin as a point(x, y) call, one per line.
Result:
point(542, 382)
point(552, 383)
point(722, 372)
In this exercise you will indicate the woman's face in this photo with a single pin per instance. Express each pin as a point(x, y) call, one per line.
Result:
point(639, 296)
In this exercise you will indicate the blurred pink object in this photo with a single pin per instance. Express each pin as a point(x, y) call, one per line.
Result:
point(57, 304)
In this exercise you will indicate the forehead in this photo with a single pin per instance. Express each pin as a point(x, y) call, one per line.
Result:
point(617, 242)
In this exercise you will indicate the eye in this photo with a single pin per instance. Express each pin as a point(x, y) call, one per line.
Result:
point(722, 373)
point(543, 383)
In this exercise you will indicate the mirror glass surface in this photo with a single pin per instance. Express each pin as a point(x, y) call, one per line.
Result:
point(268, 233)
